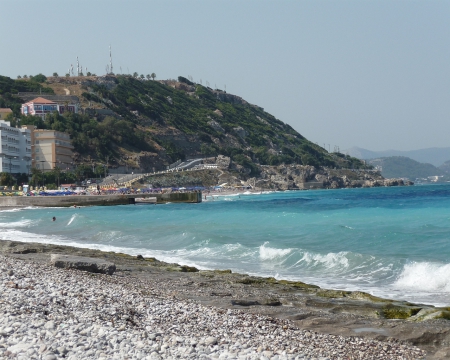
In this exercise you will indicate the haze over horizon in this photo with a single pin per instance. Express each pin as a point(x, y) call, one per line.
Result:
point(372, 74)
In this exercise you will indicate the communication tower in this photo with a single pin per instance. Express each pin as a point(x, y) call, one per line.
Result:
point(110, 61)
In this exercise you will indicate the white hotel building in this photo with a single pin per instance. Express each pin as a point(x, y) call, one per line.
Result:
point(15, 146)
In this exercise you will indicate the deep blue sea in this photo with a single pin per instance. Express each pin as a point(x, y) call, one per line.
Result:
point(391, 242)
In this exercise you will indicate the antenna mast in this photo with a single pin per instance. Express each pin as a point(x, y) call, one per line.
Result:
point(110, 60)
point(78, 67)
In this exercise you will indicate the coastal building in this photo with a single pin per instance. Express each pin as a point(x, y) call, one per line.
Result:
point(41, 106)
point(50, 149)
point(15, 145)
point(4, 112)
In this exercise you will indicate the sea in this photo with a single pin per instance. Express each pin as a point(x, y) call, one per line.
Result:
point(390, 242)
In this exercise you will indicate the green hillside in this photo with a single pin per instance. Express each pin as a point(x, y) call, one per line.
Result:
point(404, 167)
point(154, 123)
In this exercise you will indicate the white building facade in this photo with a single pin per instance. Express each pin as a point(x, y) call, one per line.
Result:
point(15, 149)
point(41, 107)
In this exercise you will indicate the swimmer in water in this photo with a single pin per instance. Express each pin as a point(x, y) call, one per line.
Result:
point(54, 218)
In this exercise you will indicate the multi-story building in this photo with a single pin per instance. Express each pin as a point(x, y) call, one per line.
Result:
point(4, 112)
point(41, 107)
point(50, 149)
point(15, 145)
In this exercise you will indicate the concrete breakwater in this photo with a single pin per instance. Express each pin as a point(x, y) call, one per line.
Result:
point(96, 200)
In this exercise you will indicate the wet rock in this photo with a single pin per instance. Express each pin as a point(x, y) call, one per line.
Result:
point(270, 302)
point(244, 302)
point(392, 311)
point(93, 265)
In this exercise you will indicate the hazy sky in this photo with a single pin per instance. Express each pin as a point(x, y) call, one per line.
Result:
point(373, 74)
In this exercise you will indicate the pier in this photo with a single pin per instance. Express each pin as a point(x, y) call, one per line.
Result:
point(97, 200)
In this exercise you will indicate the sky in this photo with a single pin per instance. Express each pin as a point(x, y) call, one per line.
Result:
point(372, 74)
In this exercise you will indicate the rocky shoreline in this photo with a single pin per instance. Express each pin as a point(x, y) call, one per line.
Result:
point(276, 178)
point(151, 309)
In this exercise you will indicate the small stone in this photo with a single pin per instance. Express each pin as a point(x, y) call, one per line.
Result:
point(49, 356)
point(210, 341)
point(10, 273)
point(6, 331)
point(62, 350)
point(49, 325)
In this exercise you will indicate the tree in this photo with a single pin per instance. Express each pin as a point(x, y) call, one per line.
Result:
point(148, 76)
point(142, 77)
point(135, 74)
point(6, 179)
point(40, 78)
point(55, 74)
point(56, 172)
point(153, 75)
point(19, 77)
point(88, 73)
point(25, 76)
point(67, 75)
point(36, 177)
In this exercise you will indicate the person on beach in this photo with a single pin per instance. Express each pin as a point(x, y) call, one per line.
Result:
point(54, 218)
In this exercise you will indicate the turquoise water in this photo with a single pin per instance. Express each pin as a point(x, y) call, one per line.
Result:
point(391, 242)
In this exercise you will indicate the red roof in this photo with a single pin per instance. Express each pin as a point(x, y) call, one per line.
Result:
point(41, 100)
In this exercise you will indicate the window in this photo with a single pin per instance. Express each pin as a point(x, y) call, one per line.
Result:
point(37, 157)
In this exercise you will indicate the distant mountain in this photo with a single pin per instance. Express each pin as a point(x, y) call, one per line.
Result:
point(434, 156)
point(404, 167)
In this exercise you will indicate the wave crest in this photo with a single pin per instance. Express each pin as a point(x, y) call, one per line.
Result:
point(425, 276)
point(268, 253)
point(329, 261)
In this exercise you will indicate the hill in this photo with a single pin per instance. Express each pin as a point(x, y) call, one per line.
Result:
point(148, 125)
point(434, 156)
point(404, 167)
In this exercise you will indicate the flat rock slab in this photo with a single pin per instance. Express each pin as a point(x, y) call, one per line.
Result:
point(93, 265)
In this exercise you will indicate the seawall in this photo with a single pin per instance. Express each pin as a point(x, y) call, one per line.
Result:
point(96, 200)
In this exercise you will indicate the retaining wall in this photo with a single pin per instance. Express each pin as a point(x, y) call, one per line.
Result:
point(96, 200)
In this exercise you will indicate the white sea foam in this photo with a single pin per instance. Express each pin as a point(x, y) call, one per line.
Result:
point(269, 253)
point(336, 261)
point(74, 216)
point(10, 210)
point(424, 276)
point(16, 224)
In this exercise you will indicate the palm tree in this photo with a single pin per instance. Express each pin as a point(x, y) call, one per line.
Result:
point(135, 74)
point(153, 75)
point(142, 77)
point(148, 77)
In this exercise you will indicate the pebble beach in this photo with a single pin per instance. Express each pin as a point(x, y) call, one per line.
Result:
point(50, 313)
